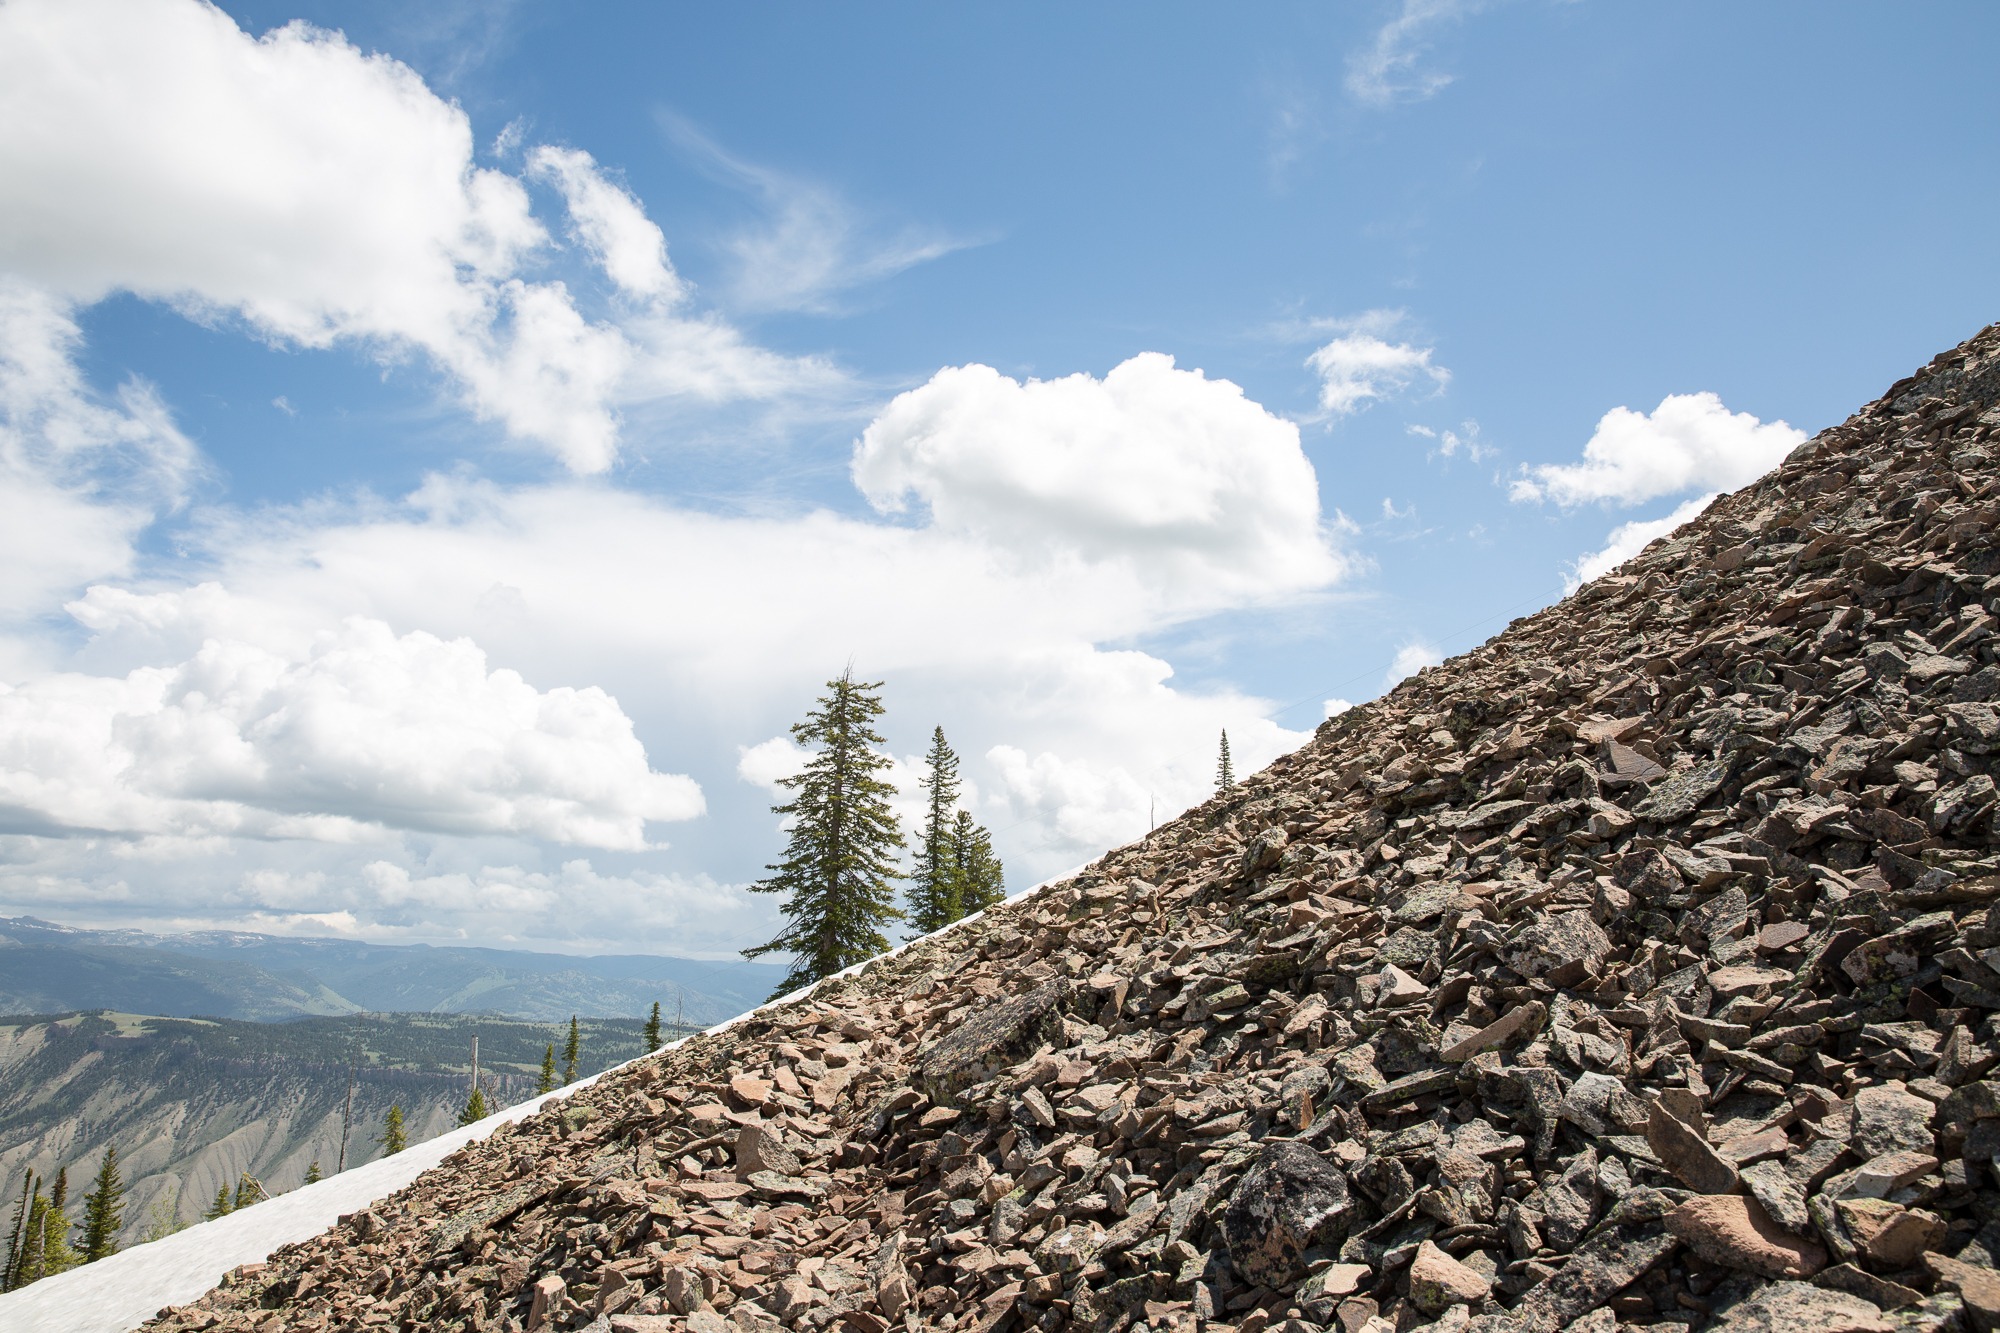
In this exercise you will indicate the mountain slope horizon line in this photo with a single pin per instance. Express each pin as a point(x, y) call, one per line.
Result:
point(46, 967)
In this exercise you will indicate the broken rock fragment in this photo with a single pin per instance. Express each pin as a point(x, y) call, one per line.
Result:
point(1685, 1152)
point(1733, 1230)
point(1289, 1199)
point(1438, 1281)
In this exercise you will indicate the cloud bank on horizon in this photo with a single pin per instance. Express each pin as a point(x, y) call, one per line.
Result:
point(421, 714)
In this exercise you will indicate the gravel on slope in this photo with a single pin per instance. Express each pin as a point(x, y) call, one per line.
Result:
point(1639, 969)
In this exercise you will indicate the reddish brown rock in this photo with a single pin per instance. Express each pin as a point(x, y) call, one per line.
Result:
point(1734, 1230)
point(1890, 1235)
point(1438, 1281)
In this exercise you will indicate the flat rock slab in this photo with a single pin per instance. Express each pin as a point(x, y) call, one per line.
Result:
point(1609, 1260)
point(992, 1039)
point(1889, 1121)
point(1734, 1230)
point(1978, 1287)
point(1797, 1307)
point(1890, 1235)
point(1526, 1018)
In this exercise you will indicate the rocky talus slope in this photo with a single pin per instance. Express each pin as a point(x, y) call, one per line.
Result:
point(1640, 968)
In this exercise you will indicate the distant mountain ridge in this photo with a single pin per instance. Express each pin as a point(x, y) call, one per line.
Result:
point(192, 1104)
point(48, 968)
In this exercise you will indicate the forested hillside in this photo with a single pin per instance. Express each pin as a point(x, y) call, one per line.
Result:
point(193, 1104)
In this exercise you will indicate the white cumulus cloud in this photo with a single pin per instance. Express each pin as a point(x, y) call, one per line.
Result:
point(1689, 442)
point(1182, 480)
point(629, 245)
point(1411, 658)
point(1362, 365)
point(323, 195)
point(368, 731)
point(1628, 539)
point(81, 475)
point(254, 750)
point(765, 763)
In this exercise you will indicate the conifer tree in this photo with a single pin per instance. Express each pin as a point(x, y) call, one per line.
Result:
point(547, 1082)
point(976, 870)
point(475, 1108)
point(313, 1175)
point(222, 1206)
point(838, 870)
point(56, 1252)
point(34, 1240)
point(653, 1030)
point(934, 886)
point(1225, 772)
point(19, 1238)
point(392, 1137)
point(103, 1209)
point(572, 1048)
point(249, 1189)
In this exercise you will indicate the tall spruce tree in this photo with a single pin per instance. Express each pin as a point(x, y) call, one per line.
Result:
point(103, 1209)
point(393, 1138)
point(976, 870)
point(34, 1240)
point(653, 1029)
point(547, 1082)
point(839, 867)
point(57, 1256)
point(572, 1048)
point(1225, 772)
point(475, 1108)
point(20, 1239)
point(934, 881)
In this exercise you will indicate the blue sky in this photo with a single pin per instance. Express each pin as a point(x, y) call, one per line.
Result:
point(443, 454)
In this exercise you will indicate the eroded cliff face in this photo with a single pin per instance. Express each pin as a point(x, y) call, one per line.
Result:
point(1637, 968)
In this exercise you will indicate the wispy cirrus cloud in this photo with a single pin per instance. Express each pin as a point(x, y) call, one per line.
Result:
point(812, 246)
point(1392, 68)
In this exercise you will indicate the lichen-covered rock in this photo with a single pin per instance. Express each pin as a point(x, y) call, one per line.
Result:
point(1567, 947)
point(992, 1038)
point(1888, 1121)
point(1291, 1198)
point(1798, 1307)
